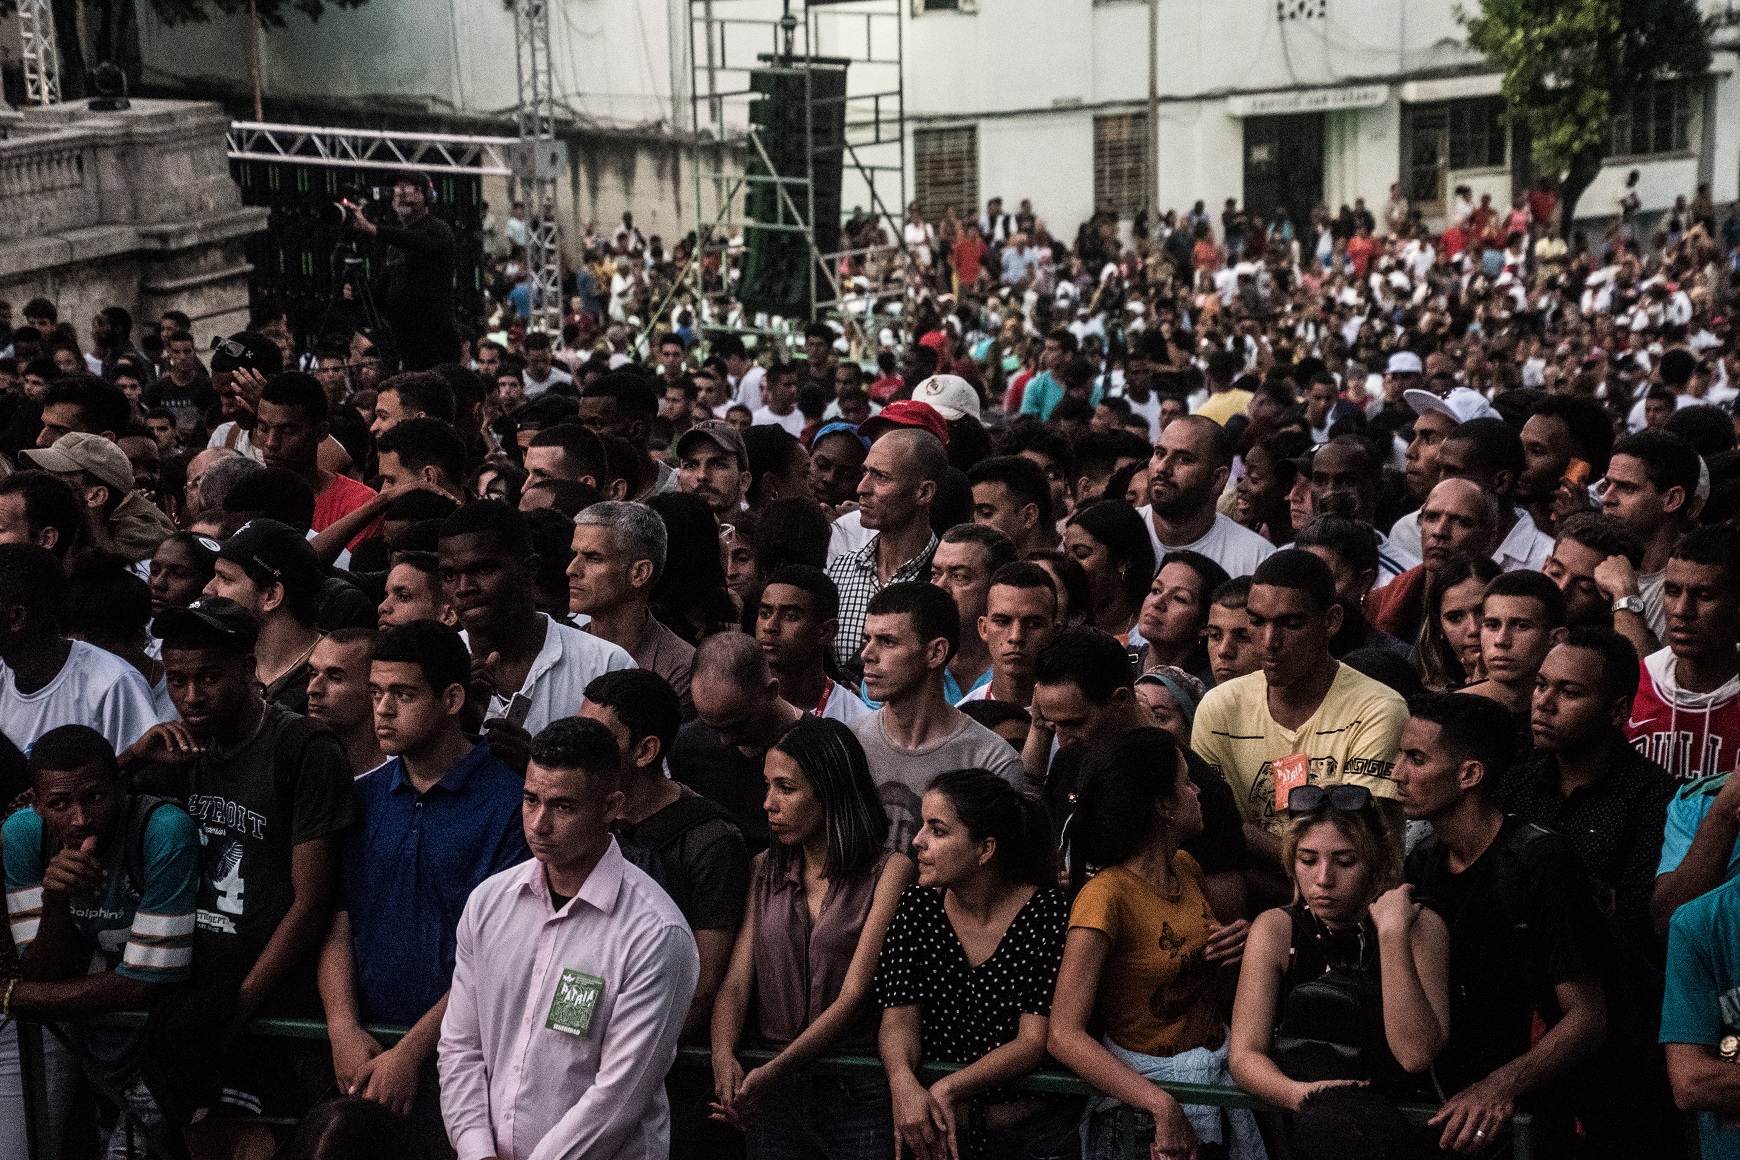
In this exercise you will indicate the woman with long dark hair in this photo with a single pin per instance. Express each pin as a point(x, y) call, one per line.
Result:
point(1108, 540)
point(1174, 614)
point(1447, 650)
point(820, 900)
point(1141, 959)
point(967, 972)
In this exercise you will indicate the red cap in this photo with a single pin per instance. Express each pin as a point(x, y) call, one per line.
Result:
point(936, 340)
point(906, 413)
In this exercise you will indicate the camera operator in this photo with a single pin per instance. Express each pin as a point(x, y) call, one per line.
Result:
point(415, 289)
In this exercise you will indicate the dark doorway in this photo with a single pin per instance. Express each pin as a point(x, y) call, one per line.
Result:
point(1284, 167)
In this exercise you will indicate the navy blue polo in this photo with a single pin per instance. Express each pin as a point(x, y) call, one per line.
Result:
point(408, 869)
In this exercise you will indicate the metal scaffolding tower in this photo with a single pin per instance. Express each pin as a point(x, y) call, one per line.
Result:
point(539, 161)
point(41, 56)
point(729, 42)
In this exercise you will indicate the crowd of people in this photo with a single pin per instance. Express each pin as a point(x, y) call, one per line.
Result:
point(1180, 658)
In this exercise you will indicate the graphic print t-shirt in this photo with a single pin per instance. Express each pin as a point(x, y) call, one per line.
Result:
point(249, 816)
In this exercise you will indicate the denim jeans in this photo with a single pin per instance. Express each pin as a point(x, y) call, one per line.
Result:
point(61, 1075)
point(825, 1117)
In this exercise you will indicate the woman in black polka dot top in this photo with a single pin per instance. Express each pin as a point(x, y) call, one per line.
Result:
point(967, 972)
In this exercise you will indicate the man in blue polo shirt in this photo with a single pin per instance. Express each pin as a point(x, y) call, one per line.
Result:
point(438, 818)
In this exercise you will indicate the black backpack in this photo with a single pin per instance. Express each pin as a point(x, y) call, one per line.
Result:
point(648, 846)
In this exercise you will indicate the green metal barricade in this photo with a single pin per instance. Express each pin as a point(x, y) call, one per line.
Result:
point(1040, 1082)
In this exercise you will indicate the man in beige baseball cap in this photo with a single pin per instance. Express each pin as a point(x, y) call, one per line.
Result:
point(121, 520)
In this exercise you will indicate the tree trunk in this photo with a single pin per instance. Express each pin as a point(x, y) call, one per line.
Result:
point(1585, 167)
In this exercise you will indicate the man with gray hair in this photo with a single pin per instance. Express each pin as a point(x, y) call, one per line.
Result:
point(619, 554)
point(211, 474)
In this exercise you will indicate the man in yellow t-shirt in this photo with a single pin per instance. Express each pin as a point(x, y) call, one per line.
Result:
point(1224, 400)
point(1302, 716)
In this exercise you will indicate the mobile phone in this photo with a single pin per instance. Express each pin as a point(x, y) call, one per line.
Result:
point(517, 710)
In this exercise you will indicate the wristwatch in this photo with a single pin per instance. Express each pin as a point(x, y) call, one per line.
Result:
point(1629, 604)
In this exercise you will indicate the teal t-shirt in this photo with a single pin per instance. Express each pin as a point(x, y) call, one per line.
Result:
point(1702, 1000)
point(141, 930)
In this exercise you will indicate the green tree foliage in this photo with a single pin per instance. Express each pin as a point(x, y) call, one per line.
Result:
point(1568, 63)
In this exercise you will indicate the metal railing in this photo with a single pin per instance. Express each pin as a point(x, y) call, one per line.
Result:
point(1040, 1082)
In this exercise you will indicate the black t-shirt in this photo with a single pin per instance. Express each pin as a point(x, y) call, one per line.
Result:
point(1219, 849)
point(697, 856)
point(1522, 920)
point(290, 784)
point(713, 769)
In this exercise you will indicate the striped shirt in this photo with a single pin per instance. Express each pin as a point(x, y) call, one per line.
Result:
point(140, 930)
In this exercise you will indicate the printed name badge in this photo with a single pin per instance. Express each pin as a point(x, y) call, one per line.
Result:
point(575, 999)
point(1289, 775)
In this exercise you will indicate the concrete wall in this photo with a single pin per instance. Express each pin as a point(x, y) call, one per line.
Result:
point(1032, 74)
point(132, 209)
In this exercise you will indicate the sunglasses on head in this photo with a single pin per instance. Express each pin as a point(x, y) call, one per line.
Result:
point(1349, 799)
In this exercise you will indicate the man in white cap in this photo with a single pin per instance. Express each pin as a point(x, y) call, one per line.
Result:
point(1403, 371)
point(121, 520)
point(1438, 416)
point(953, 397)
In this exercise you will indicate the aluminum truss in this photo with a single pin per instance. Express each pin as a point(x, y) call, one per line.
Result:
point(372, 149)
point(540, 159)
point(728, 39)
point(41, 56)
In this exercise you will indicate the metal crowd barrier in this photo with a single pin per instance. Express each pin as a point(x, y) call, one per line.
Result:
point(1039, 1082)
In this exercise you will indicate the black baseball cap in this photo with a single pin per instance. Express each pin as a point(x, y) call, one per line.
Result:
point(274, 553)
point(246, 348)
point(209, 622)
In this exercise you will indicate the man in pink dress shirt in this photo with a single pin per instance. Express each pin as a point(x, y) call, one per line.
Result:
point(574, 975)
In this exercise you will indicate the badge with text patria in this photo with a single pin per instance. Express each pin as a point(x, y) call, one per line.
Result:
point(575, 999)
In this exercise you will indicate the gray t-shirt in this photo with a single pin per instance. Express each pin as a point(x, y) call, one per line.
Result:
point(901, 774)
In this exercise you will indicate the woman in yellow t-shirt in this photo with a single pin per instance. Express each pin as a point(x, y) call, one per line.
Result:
point(1143, 951)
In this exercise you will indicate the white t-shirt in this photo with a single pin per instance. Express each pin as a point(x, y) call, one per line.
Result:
point(848, 535)
point(793, 423)
point(1149, 411)
point(1229, 544)
point(244, 443)
point(536, 387)
point(557, 680)
point(747, 390)
point(843, 705)
point(94, 688)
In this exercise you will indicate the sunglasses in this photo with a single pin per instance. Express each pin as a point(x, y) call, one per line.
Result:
point(1349, 799)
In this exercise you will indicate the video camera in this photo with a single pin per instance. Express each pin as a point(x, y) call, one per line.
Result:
point(375, 202)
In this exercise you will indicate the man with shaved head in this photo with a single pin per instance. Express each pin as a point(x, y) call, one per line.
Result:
point(1186, 476)
point(902, 472)
point(739, 715)
point(1457, 519)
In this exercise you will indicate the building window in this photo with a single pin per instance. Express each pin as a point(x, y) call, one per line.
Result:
point(1121, 179)
point(1477, 133)
point(1658, 120)
point(942, 5)
point(945, 170)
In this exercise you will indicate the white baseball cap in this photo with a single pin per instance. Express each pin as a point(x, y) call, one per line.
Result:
point(1461, 404)
point(1405, 362)
point(951, 395)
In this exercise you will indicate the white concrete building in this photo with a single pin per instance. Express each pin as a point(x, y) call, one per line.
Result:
point(1278, 103)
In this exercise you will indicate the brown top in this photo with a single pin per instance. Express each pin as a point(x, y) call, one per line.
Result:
point(800, 967)
point(661, 651)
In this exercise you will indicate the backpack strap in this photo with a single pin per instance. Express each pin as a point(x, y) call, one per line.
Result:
point(677, 819)
point(140, 807)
